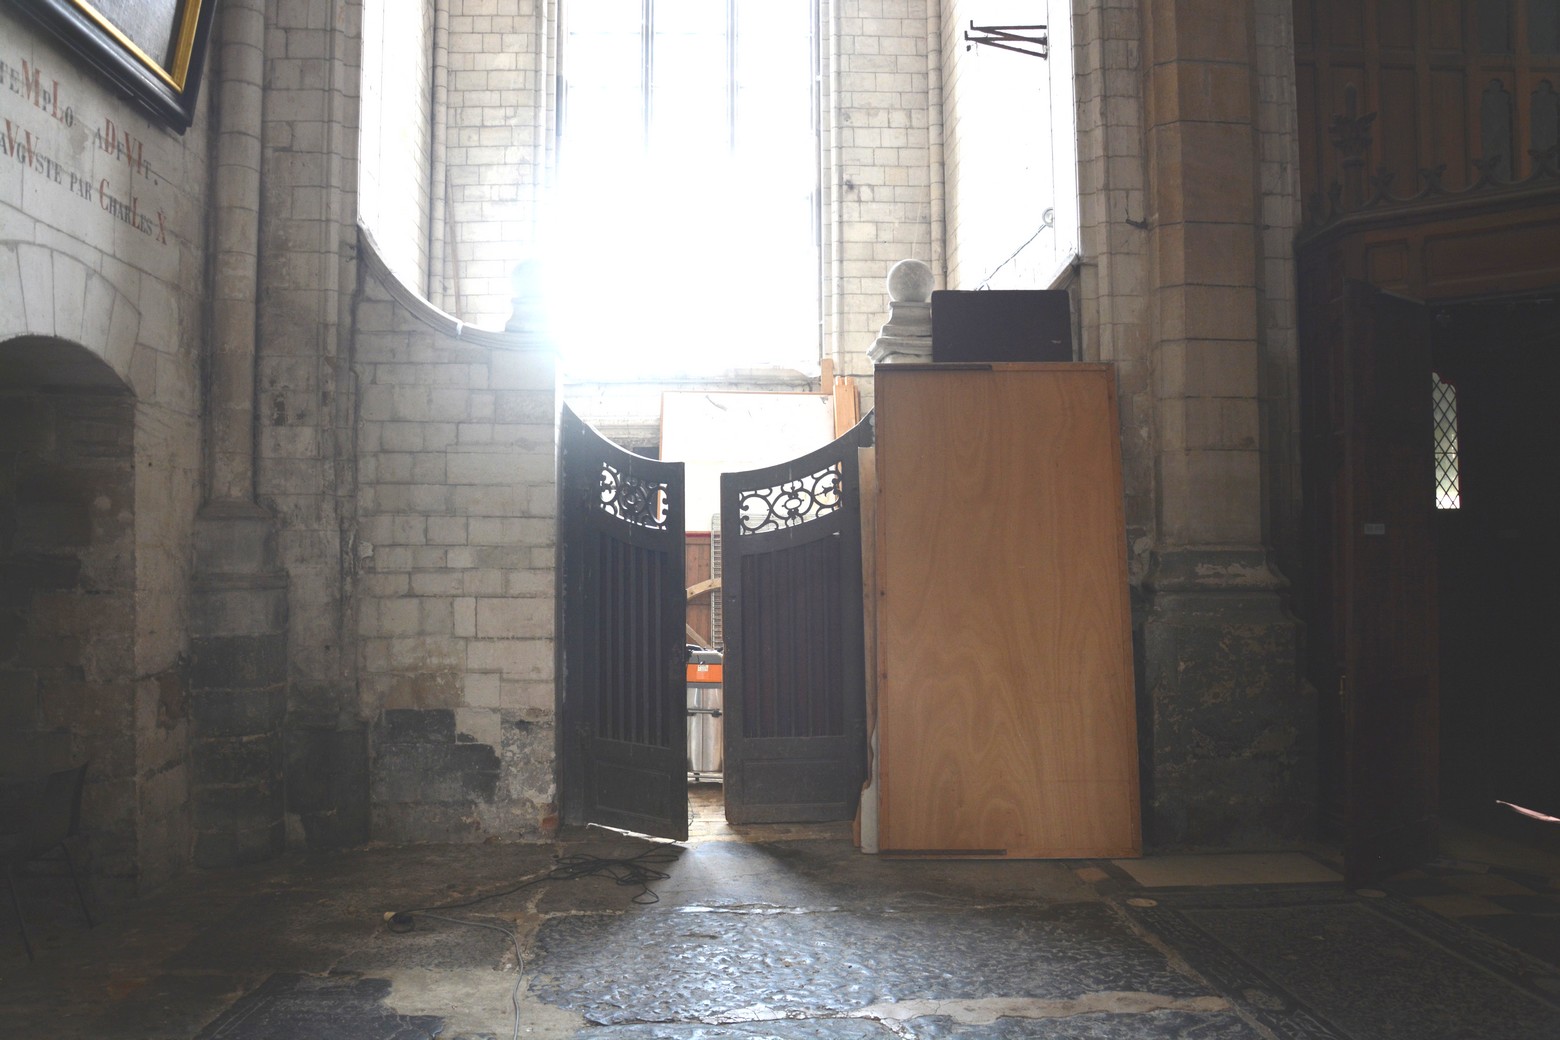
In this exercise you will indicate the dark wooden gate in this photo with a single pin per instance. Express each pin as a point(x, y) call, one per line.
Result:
point(795, 731)
point(623, 718)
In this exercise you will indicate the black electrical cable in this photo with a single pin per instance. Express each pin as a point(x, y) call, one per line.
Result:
point(514, 940)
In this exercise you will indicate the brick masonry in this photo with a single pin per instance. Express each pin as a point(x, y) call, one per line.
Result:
point(454, 558)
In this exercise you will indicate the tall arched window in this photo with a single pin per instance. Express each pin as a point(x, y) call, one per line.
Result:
point(685, 230)
point(1448, 489)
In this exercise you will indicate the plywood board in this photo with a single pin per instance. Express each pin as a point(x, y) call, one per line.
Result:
point(1006, 717)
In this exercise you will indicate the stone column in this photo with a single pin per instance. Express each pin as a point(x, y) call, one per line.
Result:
point(238, 631)
point(1230, 761)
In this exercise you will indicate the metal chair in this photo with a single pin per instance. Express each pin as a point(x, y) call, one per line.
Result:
point(37, 815)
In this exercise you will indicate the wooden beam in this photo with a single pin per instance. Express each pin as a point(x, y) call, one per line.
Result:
point(700, 588)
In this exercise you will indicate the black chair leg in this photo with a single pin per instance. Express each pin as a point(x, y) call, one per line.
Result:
point(10, 882)
point(71, 865)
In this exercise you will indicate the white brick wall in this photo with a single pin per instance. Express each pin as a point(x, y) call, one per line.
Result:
point(497, 148)
point(456, 539)
point(876, 165)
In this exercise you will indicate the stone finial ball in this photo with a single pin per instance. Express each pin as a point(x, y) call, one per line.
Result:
point(911, 281)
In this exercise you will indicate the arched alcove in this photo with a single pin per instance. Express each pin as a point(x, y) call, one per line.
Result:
point(67, 583)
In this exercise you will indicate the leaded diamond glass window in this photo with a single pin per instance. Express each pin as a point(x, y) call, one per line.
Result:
point(1448, 494)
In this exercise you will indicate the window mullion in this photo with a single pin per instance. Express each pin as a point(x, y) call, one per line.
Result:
point(731, 75)
point(647, 68)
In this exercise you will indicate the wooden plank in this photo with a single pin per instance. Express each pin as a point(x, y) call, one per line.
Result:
point(866, 825)
point(700, 588)
point(847, 405)
point(696, 562)
point(1006, 716)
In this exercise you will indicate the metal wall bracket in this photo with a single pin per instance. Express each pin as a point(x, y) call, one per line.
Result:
point(1025, 39)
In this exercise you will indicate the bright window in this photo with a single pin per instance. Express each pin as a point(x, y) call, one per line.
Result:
point(1448, 491)
point(684, 235)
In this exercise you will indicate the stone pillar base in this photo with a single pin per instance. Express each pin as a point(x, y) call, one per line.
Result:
point(238, 686)
point(1227, 724)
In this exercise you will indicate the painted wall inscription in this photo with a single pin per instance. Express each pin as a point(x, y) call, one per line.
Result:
point(38, 111)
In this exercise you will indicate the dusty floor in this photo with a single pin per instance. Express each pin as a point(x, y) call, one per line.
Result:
point(790, 933)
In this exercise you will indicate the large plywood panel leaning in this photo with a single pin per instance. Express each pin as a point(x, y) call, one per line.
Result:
point(1006, 719)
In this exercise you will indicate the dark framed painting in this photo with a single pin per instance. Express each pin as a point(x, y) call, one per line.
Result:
point(152, 50)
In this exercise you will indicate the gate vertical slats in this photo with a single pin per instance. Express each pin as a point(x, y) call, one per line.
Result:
point(635, 683)
point(606, 690)
point(818, 685)
point(787, 604)
point(799, 643)
point(623, 637)
point(650, 665)
point(596, 650)
point(615, 633)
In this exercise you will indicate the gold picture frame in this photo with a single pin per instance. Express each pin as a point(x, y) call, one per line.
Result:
point(153, 50)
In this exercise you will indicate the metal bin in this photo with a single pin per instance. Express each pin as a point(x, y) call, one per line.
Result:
point(706, 758)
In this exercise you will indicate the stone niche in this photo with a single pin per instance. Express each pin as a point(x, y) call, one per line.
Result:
point(68, 690)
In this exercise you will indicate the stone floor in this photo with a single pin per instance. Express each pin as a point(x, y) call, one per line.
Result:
point(789, 933)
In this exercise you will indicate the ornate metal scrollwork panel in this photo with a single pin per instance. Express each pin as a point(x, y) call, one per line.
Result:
point(793, 502)
point(633, 499)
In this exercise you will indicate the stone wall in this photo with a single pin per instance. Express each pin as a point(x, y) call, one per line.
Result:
point(305, 182)
point(499, 118)
point(877, 165)
point(454, 560)
point(1228, 725)
point(102, 272)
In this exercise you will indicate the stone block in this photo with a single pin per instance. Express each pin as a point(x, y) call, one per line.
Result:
point(18, 700)
point(1201, 91)
point(478, 726)
point(235, 808)
point(238, 761)
point(1232, 733)
point(233, 662)
point(415, 726)
point(1210, 497)
point(1201, 30)
point(232, 848)
point(244, 607)
point(236, 712)
point(434, 773)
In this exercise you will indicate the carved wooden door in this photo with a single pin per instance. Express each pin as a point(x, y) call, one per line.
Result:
point(1371, 479)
